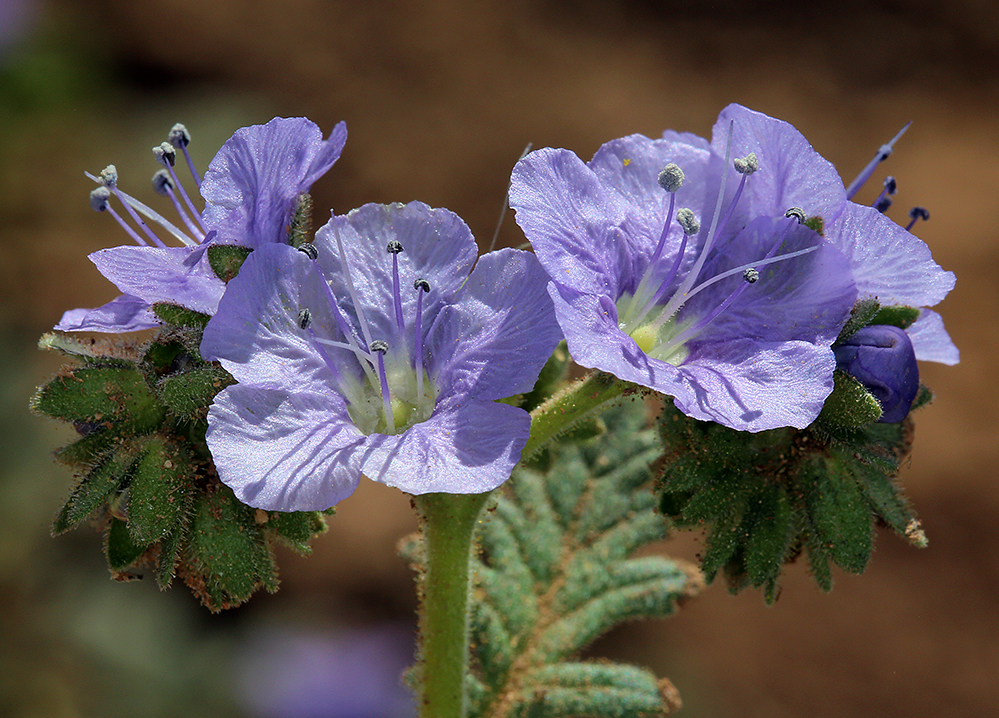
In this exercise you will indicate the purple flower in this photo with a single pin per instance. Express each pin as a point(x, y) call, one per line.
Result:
point(250, 192)
point(881, 358)
point(374, 351)
point(666, 272)
point(887, 261)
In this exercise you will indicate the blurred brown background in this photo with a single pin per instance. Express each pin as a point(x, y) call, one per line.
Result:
point(440, 98)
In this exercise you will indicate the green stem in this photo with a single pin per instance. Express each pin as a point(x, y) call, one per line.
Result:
point(448, 522)
point(568, 407)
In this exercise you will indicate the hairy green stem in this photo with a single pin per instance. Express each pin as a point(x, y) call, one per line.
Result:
point(565, 409)
point(448, 522)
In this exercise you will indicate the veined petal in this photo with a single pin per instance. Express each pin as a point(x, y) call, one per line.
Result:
point(178, 275)
point(122, 314)
point(252, 184)
point(282, 451)
point(494, 340)
point(792, 173)
point(931, 341)
point(468, 447)
point(573, 222)
point(888, 262)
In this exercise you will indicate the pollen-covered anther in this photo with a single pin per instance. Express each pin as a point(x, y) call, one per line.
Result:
point(179, 136)
point(797, 213)
point(309, 250)
point(671, 177)
point(109, 176)
point(394, 247)
point(99, 199)
point(746, 165)
point(162, 182)
point(379, 345)
point(686, 219)
point(422, 284)
point(751, 276)
point(304, 319)
point(165, 154)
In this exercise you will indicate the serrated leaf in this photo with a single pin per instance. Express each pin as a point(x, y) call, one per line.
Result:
point(557, 572)
point(101, 395)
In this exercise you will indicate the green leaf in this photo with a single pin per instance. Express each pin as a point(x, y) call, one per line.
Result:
point(96, 488)
point(189, 394)
point(557, 572)
point(850, 405)
point(101, 396)
point(863, 312)
point(160, 490)
point(122, 552)
point(840, 514)
point(226, 559)
point(770, 538)
point(897, 316)
point(296, 528)
point(180, 316)
point(226, 259)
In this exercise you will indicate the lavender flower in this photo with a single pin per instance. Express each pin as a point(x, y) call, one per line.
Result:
point(666, 272)
point(250, 191)
point(374, 351)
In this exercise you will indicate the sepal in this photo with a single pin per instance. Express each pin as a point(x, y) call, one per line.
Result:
point(226, 259)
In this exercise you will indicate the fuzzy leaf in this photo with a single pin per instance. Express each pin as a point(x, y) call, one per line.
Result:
point(96, 396)
point(557, 573)
point(190, 393)
point(122, 551)
point(180, 316)
point(96, 488)
point(226, 259)
point(161, 484)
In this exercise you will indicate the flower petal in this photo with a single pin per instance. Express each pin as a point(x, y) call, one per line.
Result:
point(178, 275)
point(494, 340)
point(122, 314)
point(469, 447)
point(930, 339)
point(791, 174)
point(281, 451)
point(888, 263)
point(254, 181)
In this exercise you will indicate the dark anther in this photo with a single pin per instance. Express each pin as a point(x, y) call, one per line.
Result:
point(751, 275)
point(883, 204)
point(379, 345)
point(394, 247)
point(309, 250)
point(422, 284)
point(919, 213)
point(797, 213)
point(304, 318)
point(165, 154)
point(891, 187)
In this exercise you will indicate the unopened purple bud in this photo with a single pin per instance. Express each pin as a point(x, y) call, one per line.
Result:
point(881, 358)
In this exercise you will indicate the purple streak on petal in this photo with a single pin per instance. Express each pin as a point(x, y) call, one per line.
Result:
point(179, 275)
point(254, 181)
point(284, 452)
point(466, 447)
point(123, 314)
point(930, 340)
point(887, 262)
point(494, 340)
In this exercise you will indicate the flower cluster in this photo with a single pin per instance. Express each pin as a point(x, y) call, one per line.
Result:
point(721, 273)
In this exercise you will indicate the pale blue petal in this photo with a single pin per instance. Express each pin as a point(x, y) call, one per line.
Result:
point(123, 314)
point(931, 341)
point(281, 451)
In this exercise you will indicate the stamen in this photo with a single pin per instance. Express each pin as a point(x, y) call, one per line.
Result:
point(309, 250)
point(421, 286)
point(882, 203)
point(688, 222)
point(109, 178)
point(747, 165)
point(166, 155)
point(149, 213)
point(99, 202)
point(180, 138)
point(395, 248)
point(506, 200)
point(671, 177)
point(797, 213)
point(916, 214)
point(379, 347)
point(304, 318)
point(163, 185)
point(365, 332)
point(883, 153)
point(751, 275)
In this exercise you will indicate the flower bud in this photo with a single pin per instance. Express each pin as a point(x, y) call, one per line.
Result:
point(881, 358)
